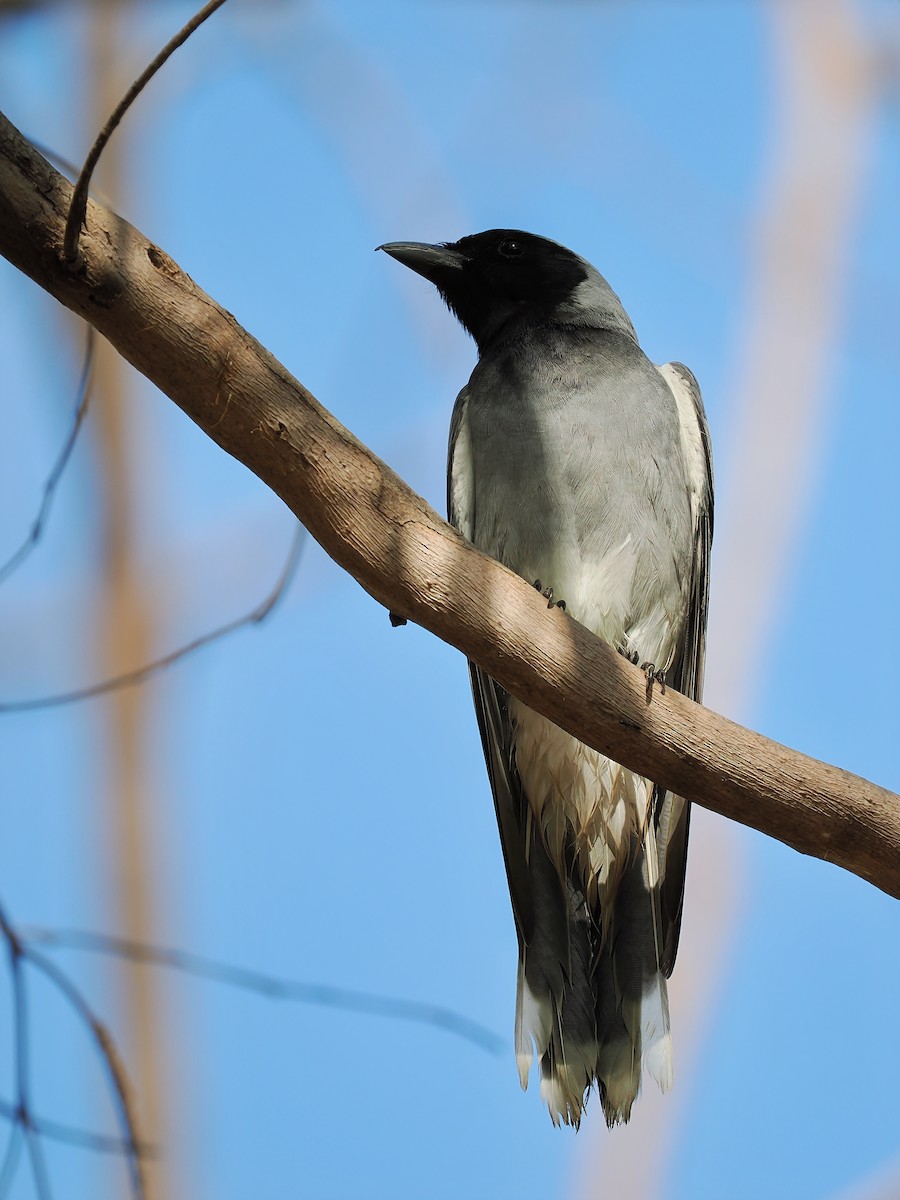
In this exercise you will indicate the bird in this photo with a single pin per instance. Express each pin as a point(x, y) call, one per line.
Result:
point(586, 469)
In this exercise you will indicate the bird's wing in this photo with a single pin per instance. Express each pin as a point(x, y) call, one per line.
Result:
point(461, 470)
point(686, 675)
point(491, 706)
point(687, 670)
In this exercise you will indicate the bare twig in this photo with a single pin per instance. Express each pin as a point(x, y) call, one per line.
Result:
point(11, 1156)
point(81, 407)
point(14, 1142)
point(140, 674)
point(71, 1135)
point(410, 560)
point(272, 986)
point(23, 1117)
point(78, 206)
point(109, 1056)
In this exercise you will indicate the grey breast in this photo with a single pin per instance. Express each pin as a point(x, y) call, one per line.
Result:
point(575, 446)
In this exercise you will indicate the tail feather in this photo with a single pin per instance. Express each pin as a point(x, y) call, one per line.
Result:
point(569, 1060)
point(544, 961)
point(636, 987)
point(595, 1004)
point(656, 1035)
point(555, 995)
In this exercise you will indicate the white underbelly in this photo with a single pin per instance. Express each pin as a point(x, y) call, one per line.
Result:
point(579, 797)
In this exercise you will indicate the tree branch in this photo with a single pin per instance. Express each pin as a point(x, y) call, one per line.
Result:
point(401, 551)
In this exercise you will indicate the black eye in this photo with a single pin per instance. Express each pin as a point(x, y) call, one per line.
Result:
point(510, 248)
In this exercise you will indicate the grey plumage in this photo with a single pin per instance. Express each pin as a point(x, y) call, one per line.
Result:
point(576, 462)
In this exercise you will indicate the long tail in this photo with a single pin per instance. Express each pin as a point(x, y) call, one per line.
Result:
point(632, 995)
point(594, 1003)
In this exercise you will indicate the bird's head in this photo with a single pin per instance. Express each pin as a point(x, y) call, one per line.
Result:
point(505, 277)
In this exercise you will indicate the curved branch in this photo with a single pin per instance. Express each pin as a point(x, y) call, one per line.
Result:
point(404, 555)
point(79, 201)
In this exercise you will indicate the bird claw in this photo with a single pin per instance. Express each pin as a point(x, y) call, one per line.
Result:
point(547, 593)
point(653, 676)
point(631, 655)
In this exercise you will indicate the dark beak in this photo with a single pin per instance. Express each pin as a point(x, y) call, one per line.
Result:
point(430, 261)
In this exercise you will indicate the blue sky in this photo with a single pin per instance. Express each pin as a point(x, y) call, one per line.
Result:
point(318, 800)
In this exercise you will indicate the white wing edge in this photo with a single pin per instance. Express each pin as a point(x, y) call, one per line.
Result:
point(694, 437)
point(461, 470)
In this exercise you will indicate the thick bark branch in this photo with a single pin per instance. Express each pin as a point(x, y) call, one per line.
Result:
point(401, 551)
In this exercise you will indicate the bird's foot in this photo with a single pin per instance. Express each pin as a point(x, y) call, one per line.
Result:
point(547, 593)
point(631, 655)
point(653, 676)
point(396, 619)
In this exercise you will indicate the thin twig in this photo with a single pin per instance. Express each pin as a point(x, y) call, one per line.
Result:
point(58, 1131)
point(19, 953)
point(272, 986)
point(23, 1087)
point(140, 674)
point(24, 1119)
point(11, 1157)
point(66, 167)
point(81, 407)
point(109, 1056)
point(78, 205)
point(14, 1143)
